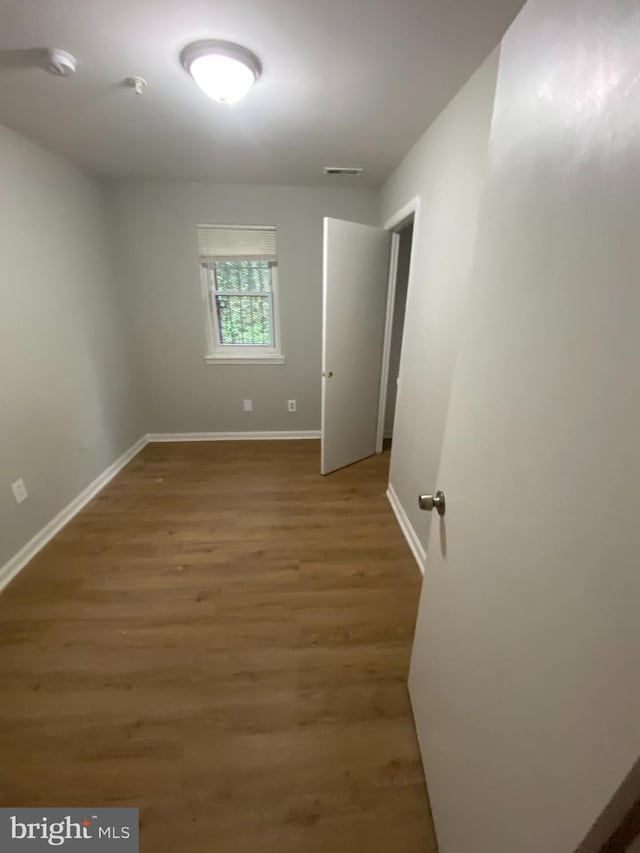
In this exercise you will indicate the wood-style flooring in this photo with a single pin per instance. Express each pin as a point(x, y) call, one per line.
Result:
point(222, 638)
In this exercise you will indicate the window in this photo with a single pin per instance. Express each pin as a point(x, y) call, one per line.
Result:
point(240, 284)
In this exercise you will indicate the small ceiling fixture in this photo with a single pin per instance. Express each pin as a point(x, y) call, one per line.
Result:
point(138, 84)
point(60, 62)
point(223, 70)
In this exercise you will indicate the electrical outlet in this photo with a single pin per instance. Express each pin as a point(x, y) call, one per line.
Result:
point(19, 490)
point(292, 405)
point(247, 405)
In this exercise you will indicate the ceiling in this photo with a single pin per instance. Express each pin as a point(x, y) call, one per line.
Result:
point(345, 82)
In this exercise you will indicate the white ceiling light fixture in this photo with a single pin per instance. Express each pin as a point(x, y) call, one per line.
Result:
point(223, 70)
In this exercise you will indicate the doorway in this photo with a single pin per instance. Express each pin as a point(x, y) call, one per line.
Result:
point(403, 227)
point(405, 237)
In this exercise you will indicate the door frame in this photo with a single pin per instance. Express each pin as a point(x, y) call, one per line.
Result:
point(394, 224)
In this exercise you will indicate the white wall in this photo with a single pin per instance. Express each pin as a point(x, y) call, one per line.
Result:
point(155, 227)
point(68, 406)
point(447, 168)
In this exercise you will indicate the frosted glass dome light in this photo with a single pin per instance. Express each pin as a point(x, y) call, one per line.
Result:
point(224, 71)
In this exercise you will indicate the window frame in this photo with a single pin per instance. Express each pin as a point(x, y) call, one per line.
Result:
point(220, 353)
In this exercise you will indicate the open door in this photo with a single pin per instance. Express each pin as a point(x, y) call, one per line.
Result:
point(525, 670)
point(355, 275)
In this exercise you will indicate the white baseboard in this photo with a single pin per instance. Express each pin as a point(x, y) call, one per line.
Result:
point(407, 528)
point(29, 551)
point(233, 436)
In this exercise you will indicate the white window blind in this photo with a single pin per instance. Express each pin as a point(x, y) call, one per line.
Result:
point(226, 243)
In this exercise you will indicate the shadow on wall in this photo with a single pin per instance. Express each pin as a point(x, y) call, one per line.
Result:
point(617, 830)
point(41, 57)
point(33, 57)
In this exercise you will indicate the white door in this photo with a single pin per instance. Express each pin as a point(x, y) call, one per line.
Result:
point(354, 292)
point(525, 674)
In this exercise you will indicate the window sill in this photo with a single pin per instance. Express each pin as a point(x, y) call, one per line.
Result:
point(245, 359)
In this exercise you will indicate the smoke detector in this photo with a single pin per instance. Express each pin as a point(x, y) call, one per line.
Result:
point(343, 170)
point(60, 62)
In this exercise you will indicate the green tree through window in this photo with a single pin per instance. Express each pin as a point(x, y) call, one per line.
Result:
point(243, 294)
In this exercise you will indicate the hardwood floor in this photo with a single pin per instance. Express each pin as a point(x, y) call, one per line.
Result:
point(222, 639)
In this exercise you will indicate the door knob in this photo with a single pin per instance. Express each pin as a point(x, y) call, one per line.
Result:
point(431, 502)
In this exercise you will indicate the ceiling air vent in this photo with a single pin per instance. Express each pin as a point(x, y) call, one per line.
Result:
point(343, 170)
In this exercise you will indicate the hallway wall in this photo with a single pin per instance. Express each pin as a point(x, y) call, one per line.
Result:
point(447, 169)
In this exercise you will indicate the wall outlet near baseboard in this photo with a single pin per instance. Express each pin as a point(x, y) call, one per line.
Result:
point(292, 405)
point(19, 490)
point(247, 405)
